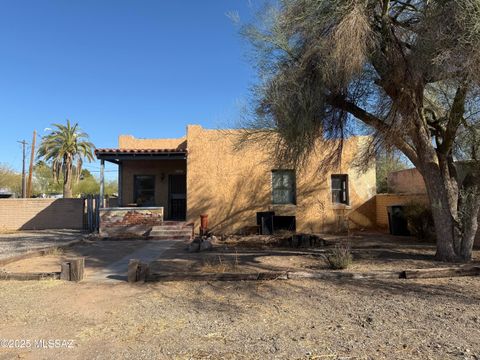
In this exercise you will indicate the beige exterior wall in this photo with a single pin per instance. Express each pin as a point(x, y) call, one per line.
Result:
point(385, 200)
point(408, 181)
point(131, 142)
point(232, 186)
point(161, 169)
point(38, 214)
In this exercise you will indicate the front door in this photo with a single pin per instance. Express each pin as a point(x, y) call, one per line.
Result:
point(177, 197)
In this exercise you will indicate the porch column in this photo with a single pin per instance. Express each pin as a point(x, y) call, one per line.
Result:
point(102, 182)
point(120, 187)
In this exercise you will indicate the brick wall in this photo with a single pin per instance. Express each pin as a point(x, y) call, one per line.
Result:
point(39, 214)
point(129, 222)
point(382, 201)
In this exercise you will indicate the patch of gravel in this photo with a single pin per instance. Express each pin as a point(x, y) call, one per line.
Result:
point(19, 242)
point(367, 319)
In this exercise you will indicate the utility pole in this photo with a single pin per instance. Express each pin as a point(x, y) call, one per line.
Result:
point(24, 188)
point(30, 170)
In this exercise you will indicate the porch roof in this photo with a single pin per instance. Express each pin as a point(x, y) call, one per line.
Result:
point(117, 155)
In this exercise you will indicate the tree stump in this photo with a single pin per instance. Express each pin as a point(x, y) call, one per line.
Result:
point(137, 271)
point(73, 269)
point(132, 270)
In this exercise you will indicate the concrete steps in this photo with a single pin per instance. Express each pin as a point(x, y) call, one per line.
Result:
point(172, 230)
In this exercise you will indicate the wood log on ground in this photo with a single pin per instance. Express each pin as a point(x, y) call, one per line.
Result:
point(466, 270)
point(132, 270)
point(73, 269)
point(274, 275)
point(29, 276)
point(38, 252)
point(143, 272)
point(137, 271)
point(65, 271)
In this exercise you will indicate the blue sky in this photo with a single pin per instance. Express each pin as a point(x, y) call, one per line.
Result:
point(141, 67)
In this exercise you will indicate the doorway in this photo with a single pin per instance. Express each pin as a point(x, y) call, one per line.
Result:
point(177, 197)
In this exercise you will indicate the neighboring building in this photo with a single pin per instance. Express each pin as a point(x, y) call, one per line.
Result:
point(406, 186)
point(408, 181)
point(205, 173)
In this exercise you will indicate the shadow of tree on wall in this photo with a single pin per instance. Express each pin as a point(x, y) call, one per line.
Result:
point(41, 214)
point(247, 197)
point(60, 214)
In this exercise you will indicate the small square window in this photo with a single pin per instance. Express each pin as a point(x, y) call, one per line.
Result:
point(283, 187)
point(340, 189)
point(144, 190)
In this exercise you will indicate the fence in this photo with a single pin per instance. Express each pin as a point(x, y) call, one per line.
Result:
point(40, 214)
point(92, 214)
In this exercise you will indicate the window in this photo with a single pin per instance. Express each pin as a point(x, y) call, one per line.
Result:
point(340, 189)
point(144, 190)
point(283, 187)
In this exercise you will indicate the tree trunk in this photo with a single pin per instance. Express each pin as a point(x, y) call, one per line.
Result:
point(67, 180)
point(455, 232)
point(67, 190)
point(470, 225)
point(469, 209)
point(442, 216)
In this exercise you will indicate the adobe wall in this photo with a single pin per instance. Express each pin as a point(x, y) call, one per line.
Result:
point(408, 181)
point(160, 169)
point(131, 142)
point(232, 185)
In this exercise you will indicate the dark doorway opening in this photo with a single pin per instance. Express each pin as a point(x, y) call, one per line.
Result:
point(177, 197)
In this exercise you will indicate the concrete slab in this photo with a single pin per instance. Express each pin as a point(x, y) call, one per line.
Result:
point(117, 271)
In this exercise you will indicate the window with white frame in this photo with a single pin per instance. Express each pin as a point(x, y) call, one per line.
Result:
point(283, 187)
point(340, 189)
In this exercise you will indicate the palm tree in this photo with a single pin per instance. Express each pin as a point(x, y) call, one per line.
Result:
point(66, 147)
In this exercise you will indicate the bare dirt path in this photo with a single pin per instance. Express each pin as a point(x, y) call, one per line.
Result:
point(395, 319)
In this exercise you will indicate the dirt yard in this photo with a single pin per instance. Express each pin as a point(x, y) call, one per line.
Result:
point(371, 252)
point(361, 319)
point(294, 319)
point(17, 242)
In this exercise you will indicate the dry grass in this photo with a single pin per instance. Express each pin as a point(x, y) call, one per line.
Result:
point(55, 251)
point(340, 257)
point(220, 264)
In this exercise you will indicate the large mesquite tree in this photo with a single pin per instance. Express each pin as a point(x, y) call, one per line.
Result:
point(408, 70)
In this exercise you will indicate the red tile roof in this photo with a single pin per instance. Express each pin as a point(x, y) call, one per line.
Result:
point(137, 151)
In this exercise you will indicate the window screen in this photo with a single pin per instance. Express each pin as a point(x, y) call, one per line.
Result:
point(340, 189)
point(283, 187)
point(144, 190)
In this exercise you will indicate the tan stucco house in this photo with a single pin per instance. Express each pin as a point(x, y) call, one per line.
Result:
point(205, 173)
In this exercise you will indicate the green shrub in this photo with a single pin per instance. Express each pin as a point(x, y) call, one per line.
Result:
point(340, 257)
point(420, 221)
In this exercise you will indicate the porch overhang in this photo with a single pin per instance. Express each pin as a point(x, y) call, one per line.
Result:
point(118, 155)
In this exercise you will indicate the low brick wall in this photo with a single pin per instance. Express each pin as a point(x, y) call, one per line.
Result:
point(41, 214)
point(129, 222)
point(382, 201)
